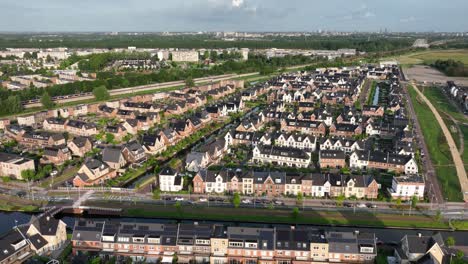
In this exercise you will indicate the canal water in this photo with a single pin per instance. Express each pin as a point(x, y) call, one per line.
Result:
point(387, 235)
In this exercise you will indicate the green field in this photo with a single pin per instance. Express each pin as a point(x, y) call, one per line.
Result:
point(445, 107)
point(272, 215)
point(430, 56)
point(438, 148)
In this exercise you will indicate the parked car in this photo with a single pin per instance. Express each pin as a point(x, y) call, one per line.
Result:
point(179, 199)
point(371, 205)
point(361, 205)
point(203, 200)
point(246, 201)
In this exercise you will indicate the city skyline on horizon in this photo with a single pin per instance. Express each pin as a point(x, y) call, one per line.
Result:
point(233, 16)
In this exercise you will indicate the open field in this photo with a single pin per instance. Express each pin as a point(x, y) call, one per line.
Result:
point(429, 56)
point(438, 149)
point(446, 108)
point(423, 73)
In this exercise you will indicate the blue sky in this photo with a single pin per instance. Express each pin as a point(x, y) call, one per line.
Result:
point(233, 15)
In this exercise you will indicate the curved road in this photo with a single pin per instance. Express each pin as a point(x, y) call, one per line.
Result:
point(459, 166)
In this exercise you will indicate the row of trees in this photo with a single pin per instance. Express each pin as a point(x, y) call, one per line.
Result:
point(362, 42)
point(451, 67)
point(225, 55)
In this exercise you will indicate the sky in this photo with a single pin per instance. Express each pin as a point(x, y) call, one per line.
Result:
point(233, 15)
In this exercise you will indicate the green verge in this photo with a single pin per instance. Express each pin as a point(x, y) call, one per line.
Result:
point(284, 217)
point(438, 148)
point(266, 215)
point(441, 102)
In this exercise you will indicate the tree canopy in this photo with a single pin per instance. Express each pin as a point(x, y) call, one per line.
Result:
point(101, 93)
point(46, 101)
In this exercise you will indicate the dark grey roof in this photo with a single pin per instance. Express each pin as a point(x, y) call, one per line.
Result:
point(283, 152)
point(13, 237)
point(264, 237)
point(46, 225)
point(38, 241)
point(167, 171)
point(112, 154)
point(80, 141)
point(332, 154)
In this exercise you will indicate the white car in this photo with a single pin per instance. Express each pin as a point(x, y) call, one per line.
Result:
point(246, 201)
point(361, 205)
point(203, 200)
point(179, 199)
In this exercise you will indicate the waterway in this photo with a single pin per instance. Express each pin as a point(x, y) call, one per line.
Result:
point(375, 100)
point(386, 235)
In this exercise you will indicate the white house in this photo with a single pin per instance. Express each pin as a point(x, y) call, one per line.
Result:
point(296, 141)
point(407, 186)
point(170, 181)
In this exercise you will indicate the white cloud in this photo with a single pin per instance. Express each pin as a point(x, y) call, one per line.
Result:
point(237, 3)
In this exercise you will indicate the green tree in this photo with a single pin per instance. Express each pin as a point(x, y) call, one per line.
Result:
point(236, 200)
point(214, 56)
point(450, 241)
point(340, 199)
point(95, 260)
point(101, 93)
point(49, 58)
point(178, 206)
point(189, 82)
point(295, 212)
point(157, 194)
point(110, 137)
point(299, 198)
point(398, 202)
point(28, 175)
point(206, 55)
point(414, 201)
point(46, 101)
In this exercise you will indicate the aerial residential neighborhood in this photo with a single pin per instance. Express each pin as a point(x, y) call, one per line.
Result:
point(233, 132)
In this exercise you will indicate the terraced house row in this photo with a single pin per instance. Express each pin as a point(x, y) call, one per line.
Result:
point(60, 135)
point(219, 244)
point(275, 183)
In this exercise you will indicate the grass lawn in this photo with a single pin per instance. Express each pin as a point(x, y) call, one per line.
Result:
point(12, 203)
point(438, 149)
point(68, 174)
point(430, 56)
point(277, 216)
point(442, 103)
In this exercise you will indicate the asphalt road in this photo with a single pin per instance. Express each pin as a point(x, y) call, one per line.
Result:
point(73, 197)
point(432, 184)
